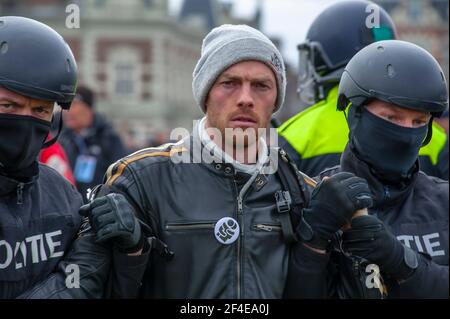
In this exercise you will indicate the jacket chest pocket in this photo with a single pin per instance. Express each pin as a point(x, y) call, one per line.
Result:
point(189, 234)
point(190, 226)
point(272, 228)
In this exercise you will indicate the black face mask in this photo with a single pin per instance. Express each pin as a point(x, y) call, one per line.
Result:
point(21, 139)
point(391, 150)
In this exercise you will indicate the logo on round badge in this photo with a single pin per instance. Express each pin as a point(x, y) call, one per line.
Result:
point(226, 230)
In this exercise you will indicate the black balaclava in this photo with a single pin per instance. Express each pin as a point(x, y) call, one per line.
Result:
point(391, 150)
point(21, 140)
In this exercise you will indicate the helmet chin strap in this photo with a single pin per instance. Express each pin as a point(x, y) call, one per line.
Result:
point(429, 132)
point(55, 138)
point(355, 121)
point(324, 83)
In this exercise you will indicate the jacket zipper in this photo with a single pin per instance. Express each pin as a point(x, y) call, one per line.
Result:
point(359, 278)
point(239, 242)
point(387, 193)
point(380, 208)
point(20, 194)
point(267, 227)
point(240, 216)
point(190, 226)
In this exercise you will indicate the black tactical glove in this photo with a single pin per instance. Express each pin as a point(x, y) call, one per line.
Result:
point(368, 238)
point(333, 203)
point(111, 216)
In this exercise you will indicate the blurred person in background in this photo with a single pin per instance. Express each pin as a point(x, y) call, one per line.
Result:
point(316, 137)
point(91, 143)
point(55, 157)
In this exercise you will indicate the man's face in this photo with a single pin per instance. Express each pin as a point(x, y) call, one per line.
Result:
point(243, 96)
point(399, 115)
point(13, 103)
point(79, 116)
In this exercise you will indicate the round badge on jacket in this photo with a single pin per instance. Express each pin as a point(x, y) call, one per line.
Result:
point(226, 230)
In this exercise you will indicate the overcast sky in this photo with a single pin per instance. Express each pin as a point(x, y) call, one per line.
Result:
point(285, 19)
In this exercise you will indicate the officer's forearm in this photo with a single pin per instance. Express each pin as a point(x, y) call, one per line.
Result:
point(307, 274)
point(429, 280)
point(128, 272)
point(82, 274)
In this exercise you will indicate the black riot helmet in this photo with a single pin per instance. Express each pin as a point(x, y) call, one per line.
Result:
point(36, 62)
point(396, 72)
point(334, 37)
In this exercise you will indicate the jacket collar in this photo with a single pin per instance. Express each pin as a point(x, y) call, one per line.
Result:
point(9, 185)
point(195, 147)
point(218, 155)
point(384, 194)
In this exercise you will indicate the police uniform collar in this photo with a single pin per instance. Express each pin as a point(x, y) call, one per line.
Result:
point(384, 194)
point(9, 185)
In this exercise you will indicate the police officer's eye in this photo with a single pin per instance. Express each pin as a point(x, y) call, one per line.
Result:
point(42, 110)
point(420, 122)
point(6, 106)
point(391, 118)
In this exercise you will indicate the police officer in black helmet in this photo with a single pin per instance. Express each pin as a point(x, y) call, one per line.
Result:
point(39, 217)
point(38, 65)
point(392, 91)
point(38, 207)
point(316, 137)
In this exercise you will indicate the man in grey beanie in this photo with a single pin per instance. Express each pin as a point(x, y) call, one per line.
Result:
point(228, 45)
point(222, 226)
point(239, 66)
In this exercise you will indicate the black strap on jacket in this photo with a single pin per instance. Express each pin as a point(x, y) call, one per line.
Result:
point(291, 201)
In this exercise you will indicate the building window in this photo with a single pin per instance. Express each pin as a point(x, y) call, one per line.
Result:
point(125, 69)
point(415, 10)
point(125, 75)
point(148, 3)
point(99, 3)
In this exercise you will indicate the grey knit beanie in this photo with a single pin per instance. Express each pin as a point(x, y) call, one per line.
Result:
point(229, 44)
